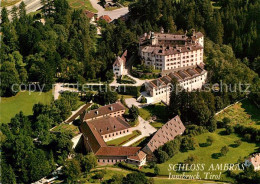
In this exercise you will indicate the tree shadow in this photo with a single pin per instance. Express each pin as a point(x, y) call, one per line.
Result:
point(223, 132)
point(216, 155)
point(204, 144)
point(233, 145)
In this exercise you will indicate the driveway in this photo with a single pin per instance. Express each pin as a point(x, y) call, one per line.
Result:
point(145, 128)
point(112, 14)
point(59, 88)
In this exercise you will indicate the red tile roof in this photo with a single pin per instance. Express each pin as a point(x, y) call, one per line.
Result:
point(117, 151)
point(89, 14)
point(98, 145)
point(109, 124)
point(104, 110)
point(106, 18)
point(140, 156)
point(92, 136)
point(121, 60)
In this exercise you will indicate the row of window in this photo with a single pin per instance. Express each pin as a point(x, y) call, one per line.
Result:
point(114, 134)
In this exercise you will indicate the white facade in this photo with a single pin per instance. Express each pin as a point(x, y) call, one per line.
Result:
point(119, 70)
point(169, 51)
point(119, 66)
point(173, 61)
point(161, 89)
point(117, 134)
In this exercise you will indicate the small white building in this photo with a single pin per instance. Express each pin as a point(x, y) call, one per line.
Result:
point(253, 160)
point(119, 66)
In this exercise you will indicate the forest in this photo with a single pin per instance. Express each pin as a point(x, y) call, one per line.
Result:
point(65, 48)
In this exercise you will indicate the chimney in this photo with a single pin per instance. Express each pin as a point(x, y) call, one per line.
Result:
point(97, 112)
point(162, 30)
point(111, 108)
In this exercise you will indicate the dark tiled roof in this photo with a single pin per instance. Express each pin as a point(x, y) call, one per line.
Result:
point(109, 124)
point(180, 75)
point(164, 51)
point(167, 133)
point(104, 110)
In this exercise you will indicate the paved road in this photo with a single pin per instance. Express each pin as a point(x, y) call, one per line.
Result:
point(58, 88)
point(34, 5)
point(31, 5)
point(112, 14)
point(145, 128)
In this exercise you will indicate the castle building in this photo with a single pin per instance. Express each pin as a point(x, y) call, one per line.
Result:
point(166, 51)
point(189, 79)
point(104, 124)
point(167, 133)
point(119, 66)
point(94, 142)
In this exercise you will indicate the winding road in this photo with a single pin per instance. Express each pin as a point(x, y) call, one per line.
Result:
point(34, 5)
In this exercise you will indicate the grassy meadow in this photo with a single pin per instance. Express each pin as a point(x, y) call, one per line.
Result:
point(244, 113)
point(23, 101)
point(82, 4)
point(206, 155)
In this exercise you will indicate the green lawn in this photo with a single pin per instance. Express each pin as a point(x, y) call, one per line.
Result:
point(82, 4)
point(67, 128)
point(244, 112)
point(5, 3)
point(204, 154)
point(123, 140)
point(23, 101)
point(159, 110)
